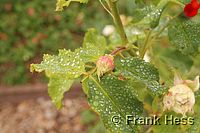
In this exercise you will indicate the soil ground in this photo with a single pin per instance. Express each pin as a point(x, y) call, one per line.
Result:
point(29, 110)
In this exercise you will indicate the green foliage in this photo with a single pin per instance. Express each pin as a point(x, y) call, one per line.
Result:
point(87, 117)
point(143, 71)
point(112, 97)
point(149, 12)
point(184, 1)
point(184, 34)
point(196, 127)
point(58, 85)
point(175, 59)
point(66, 63)
point(94, 45)
point(142, 66)
point(94, 38)
point(35, 28)
point(166, 59)
point(61, 70)
point(98, 128)
point(90, 119)
point(166, 128)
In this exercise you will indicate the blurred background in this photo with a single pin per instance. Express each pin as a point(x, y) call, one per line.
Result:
point(28, 29)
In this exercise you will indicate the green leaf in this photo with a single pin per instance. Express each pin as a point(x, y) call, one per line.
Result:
point(152, 18)
point(94, 46)
point(146, 2)
point(92, 37)
point(141, 12)
point(65, 3)
point(143, 9)
point(88, 117)
point(155, 104)
point(150, 13)
point(140, 89)
point(197, 102)
point(142, 71)
point(97, 128)
point(168, 58)
point(184, 35)
point(195, 128)
point(85, 87)
point(58, 85)
point(61, 70)
point(113, 97)
point(90, 53)
point(66, 63)
point(167, 126)
point(66, 66)
point(165, 71)
point(184, 1)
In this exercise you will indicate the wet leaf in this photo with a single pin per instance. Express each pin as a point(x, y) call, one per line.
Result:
point(66, 63)
point(143, 71)
point(90, 53)
point(152, 18)
point(113, 97)
point(61, 71)
point(94, 46)
point(150, 12)
point(184, 35)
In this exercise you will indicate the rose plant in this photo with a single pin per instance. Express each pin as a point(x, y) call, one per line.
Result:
point(129, 70)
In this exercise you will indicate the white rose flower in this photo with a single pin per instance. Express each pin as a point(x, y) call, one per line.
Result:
point(180, 98)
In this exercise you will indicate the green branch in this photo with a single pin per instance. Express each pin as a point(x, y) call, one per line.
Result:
point(118, 23)
point(147, 44)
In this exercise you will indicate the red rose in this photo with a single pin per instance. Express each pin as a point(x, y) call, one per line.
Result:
point(192, 8)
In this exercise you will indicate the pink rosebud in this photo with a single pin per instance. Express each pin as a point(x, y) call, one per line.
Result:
point(105, 64)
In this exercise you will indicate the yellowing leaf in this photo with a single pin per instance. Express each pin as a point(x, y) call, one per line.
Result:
point(65, 3)
point(57, 86)
point(66, 63)
point(61, 70)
